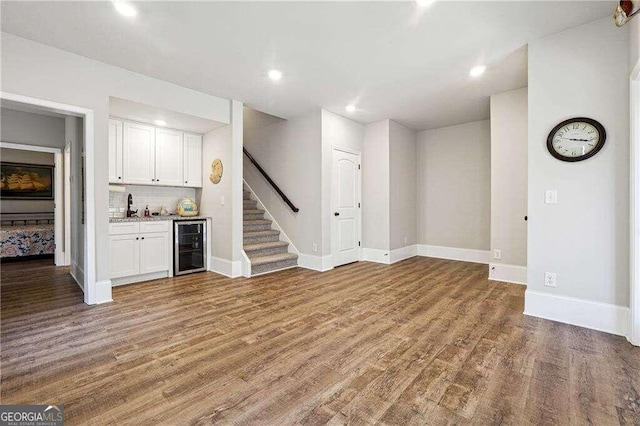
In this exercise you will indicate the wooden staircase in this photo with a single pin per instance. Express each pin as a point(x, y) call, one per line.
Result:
point(266, 252)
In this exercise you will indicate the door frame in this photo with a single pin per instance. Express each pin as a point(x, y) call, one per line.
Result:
point(334, 245)
point(59, 212)
point(634, 258)
point(90, 284)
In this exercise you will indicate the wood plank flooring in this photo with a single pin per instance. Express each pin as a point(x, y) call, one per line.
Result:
point(423, 341)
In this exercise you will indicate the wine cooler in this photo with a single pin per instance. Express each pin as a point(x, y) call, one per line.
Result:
point(190, 241)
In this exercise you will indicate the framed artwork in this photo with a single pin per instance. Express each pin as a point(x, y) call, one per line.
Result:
point(26, 181)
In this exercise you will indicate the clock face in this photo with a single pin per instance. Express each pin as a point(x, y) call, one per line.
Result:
point(576, 139)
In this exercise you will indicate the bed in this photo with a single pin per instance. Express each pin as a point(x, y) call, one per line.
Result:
point(24, 235)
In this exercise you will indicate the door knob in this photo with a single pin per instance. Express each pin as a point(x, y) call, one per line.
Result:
point(336, 214)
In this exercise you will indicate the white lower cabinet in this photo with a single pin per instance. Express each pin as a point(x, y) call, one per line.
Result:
point(139, 251)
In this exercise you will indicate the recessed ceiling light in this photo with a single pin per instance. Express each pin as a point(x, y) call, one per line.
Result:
point(125, 9)
point(350, 108)
point(275, 75)
point(477, 71)
point(160, 122)
point(425, 3)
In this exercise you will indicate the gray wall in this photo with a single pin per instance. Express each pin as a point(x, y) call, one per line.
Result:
point(27, 157)
point(375, 186)
point(509, 176)
point(454, 174)
point(585, 237)
point(290, 151)
point(31, 129)
point(402, 186)
point(218, 144)
point(634, 43)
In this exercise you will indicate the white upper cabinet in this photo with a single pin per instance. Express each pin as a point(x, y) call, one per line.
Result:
point(169, 154)
point(138, 154)
point(147, 155)
point(192, 160)
point(115, 151)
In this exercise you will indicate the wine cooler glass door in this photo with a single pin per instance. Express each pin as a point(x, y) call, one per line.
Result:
point(190, 247)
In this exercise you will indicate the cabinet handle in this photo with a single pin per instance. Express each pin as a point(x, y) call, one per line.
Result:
point(137, 238)
point(186, 181)
point(143, 238)
point(119, 177)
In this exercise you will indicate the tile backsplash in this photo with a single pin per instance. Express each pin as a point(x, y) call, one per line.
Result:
point(153, 196)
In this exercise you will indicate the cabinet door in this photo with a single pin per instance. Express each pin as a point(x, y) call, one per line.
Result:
point(168, 157)
point(192, 160)
point(154, 252)
point(138, 154)
point(115, 151)
point(124, 253)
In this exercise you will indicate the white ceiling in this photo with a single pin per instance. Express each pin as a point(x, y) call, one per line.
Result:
point(392, 59)
point(134, 111)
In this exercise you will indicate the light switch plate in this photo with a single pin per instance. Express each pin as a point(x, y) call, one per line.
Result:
point(551, 196)
point(497, 254)
point(222, 201)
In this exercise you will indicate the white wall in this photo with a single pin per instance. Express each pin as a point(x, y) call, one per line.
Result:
point(375, 186)
point(33, 69)
point(634, 42)
point(31, 129)
point(584, 238)
point(454, 194)
point(290, 151)
point(509, 176)
point(218, 144)
point(339, 132)
point(26, 157)
point(74, 135)
point(402, 186)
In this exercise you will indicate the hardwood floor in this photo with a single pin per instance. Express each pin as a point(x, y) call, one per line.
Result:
point(423, 341)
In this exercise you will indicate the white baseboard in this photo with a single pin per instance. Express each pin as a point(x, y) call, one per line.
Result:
point(452, 253)
point(116, 282)
point(389, 257)
point(403, 253)
point(103, 292)
point(316, 263)
point(226, 267)
point(508, 273)
point(376, 255)
point(77, 274)
point(599, 316)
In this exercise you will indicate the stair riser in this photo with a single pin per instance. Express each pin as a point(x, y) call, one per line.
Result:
point(267, 267)
point(258, 227)
point(261, 239)
point(253, 216)
point(246, 196)
point(267, 251)
point(250, 204)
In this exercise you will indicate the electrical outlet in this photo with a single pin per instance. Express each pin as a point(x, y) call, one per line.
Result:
point(314, 247)
point(550, 279)
point(497, 254)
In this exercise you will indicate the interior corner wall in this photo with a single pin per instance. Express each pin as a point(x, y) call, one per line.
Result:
point(290, 151)
point(339, 132)
point(584, 238)
point(375, 186)
point(218, 144)
point(454, 186)
point(509, 176)
point(36, 70)
point(402, 186)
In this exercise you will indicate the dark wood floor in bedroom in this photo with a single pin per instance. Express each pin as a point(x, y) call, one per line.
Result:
point(423, 341)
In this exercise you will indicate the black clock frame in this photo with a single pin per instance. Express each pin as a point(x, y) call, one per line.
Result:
point(594, 123)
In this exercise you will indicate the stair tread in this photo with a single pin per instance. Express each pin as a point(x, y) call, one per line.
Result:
point(272, 258)
point(256, 221)
point(260, 246)
point(253, 211)
point(259, 233)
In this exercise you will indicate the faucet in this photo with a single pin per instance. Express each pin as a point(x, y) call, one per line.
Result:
point(130, 213)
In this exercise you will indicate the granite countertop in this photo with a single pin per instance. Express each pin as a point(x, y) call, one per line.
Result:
point(154, 218)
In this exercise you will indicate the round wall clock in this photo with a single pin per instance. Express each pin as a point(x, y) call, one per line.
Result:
point(216, 171)
point(576, 139)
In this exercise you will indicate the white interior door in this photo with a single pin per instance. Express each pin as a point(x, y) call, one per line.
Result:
point(345, 200)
